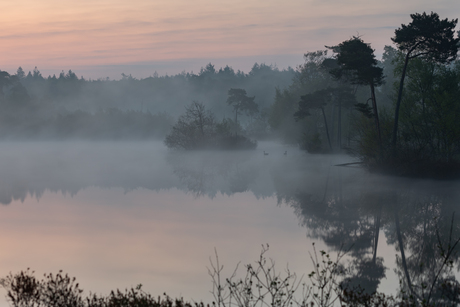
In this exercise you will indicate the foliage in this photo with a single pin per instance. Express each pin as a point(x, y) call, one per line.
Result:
point(281, 116)
point(197, 129)
point(157, 94)
point(238, 99)
point(318, 100)
point(261, 286)
point(24, 289)
point(312, 144)
point(311, 76)
point(315, 100)
point(112, 124)
point(364, 140)
point(31, 104)
point(323, 114)
point(194, 129)
point(325, 278)
point(356, 62)
point(428, 134)
point(427, 37)
point(135, 297)
point(238, 142)
point(5, 80)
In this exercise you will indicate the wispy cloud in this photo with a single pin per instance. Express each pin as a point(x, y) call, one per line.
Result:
point(109, 32)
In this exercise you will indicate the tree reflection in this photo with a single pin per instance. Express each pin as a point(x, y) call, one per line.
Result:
point(426, 230)
point(208, 173)
point(415, 216)
point(344, 207)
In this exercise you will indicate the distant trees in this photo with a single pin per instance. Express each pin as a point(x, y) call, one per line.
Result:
point(41, 101)
point(5, 80)
point(339, 96)
point(319, 111)
point(280, 116)
point(18, 96)
point(311, 76)
point(109, 124)
point(238, 99)
point(315, 100)
point(13, 95)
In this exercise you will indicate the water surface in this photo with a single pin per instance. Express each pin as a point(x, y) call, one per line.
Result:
point(116, 214)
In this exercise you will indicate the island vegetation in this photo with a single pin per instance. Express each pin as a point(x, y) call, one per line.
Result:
point(198, 129)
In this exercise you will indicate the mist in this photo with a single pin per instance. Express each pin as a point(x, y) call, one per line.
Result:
point(126, 186)
point(68, 107)
point(346, 168)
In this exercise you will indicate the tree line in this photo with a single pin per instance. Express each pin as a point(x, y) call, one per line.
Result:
point(30, 101)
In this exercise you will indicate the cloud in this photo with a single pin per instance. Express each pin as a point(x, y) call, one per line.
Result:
point(103, 32)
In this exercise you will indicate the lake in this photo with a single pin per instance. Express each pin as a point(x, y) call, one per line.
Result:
point(118, 214)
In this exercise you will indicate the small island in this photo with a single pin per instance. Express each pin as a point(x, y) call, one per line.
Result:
point(198, 128)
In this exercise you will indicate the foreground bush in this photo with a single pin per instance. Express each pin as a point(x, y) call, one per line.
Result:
point(25, 290)
point(261, 286)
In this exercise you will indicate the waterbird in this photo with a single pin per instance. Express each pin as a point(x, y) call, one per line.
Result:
point(285, 152)
point(265, 153)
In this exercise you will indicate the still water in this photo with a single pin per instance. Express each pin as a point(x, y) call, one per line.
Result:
point(119, 214)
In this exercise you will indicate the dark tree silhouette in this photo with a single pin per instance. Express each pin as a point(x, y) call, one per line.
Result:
point(315, 100)
point(343, 98)
point(20, 73)
point(428, 37)
point(241, 102)
point(356, 62)
point(194, 129)
point(5, 80)
point(318, 100)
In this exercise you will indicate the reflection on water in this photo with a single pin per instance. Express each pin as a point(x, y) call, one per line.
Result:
point(351, 208)
point(138, 213)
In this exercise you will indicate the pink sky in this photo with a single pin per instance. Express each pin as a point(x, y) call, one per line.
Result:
point(99, 38)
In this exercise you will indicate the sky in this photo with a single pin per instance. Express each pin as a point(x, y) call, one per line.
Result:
point(104, 38)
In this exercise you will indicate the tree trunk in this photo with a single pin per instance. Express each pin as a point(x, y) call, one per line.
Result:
point(376, 233)
point(332, 123)
point(398, 104)
point(327, 130)
point(236, 122)
point(376, 116)
point(401, 249)
point(339, 129)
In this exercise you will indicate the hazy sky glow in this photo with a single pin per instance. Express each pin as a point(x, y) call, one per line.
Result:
point(101, 38)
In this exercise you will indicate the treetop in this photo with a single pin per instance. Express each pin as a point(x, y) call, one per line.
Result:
point(428, 36)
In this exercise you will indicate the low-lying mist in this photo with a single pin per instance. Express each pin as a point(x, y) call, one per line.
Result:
point(274, 169)
point(35, 107)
